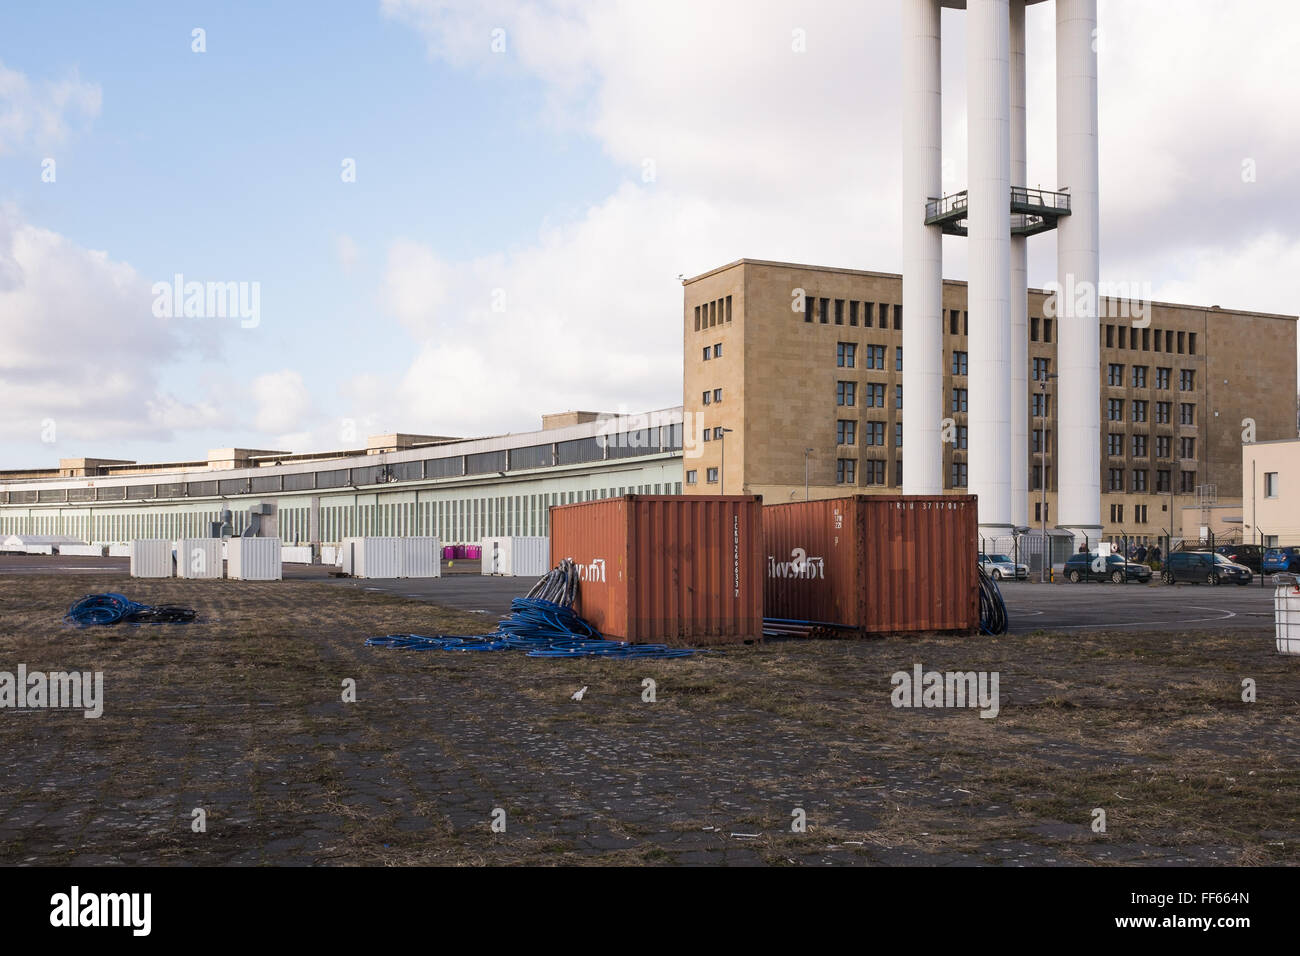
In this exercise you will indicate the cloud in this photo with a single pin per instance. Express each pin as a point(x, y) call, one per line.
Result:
point(281, 399)
point(81, 345)
point(43, 114)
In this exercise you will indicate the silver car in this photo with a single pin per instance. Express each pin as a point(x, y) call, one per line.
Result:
point(999, 566)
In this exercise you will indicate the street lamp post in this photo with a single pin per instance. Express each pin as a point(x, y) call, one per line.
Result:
point(722, 472)
point(806, 453)
point(1042, 481)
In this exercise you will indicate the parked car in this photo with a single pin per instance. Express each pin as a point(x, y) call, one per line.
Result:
point(1280, 559)
point(1113, 567)
point(1204, 567)
point(999, 566)
point(1251, 555)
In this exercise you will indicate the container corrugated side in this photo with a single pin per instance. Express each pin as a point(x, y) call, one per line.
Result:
point(254, 559)
point(522, 556)
point(676, 569)
point(876, 563)
point(419, 558)
point(199, 558)
point(151, 558)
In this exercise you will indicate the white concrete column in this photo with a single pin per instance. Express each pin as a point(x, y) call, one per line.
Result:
point(1078, 444)
point(922, 251)
point(988, 111)
point(1019, 283)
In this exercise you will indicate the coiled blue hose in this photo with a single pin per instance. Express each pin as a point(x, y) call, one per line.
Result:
point(541, 628)
point(111, 607)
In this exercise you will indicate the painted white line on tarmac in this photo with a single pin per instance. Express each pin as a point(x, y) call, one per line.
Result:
point(1224, 615)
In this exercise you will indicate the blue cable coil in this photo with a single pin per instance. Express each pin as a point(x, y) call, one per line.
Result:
point(542, 629)
point(112, 608)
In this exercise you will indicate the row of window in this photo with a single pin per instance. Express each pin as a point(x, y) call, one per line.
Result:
point(873, 471)
point(1137, 481)
point(1115, 377)
point(713, 351)
point(1117, 514)
point(716, 312)
point(713, 397)
point(1115, 446)
point(846, 356)
point(1168, 341)
point(848, 311)
point(1186, 411)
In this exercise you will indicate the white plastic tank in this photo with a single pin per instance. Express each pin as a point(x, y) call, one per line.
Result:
point(1286, 613)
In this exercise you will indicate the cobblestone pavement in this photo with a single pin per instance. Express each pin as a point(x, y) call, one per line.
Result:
point(241, 715)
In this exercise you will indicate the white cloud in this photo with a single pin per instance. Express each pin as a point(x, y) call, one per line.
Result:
point(282, 400)
point(81, 345)
point(42, 114)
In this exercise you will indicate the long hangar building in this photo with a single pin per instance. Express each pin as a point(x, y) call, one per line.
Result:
point(771, 397)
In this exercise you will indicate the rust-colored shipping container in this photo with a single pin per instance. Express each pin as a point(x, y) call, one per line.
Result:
point(666, 569)
point(880, 564)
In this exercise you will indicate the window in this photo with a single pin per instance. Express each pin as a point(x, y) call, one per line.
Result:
point(1042, 368)
point(809, 307)
point(691, 477)
point(1036, 439)
point(1139, 479)
point(1186, 379)
point(1162, 447)
point(1116, 514)
point(960, 441)
point(959, 363)
point(1042, 405)
point(823, 307)
point(959, 474)
point(845, 353)
point(1115, 374)
point(959, 399)
point(1036, 477)
point(1162, 412)
point(708, 434)
point(1116, 479)
point(1115, 409)
point(1114, 444)
point(1140, 511)
point(717, 396)
point(844, 394)
point(1038, 512)
point(1110, 336)
point(875, 395)
point(868, 313)
point(875, 433)
point(1186, 413)
point(708, 353)
point(844, 468)
point(1162, 378)
point(697, 318)
point(1270, 484)
point(711, 476)
point(717, 349)
point(1187, 448)
point(1123, 336)
point(898, 472)
point(839, 311)
point(884, 315)
point(954, 323)
point(1139, 448)
point(898, 358)
point(1191, 343)
point(875, 471)
point(1047, 330)
point(1159, 338)
point(1139, 410)
point(898, 319)
point(876, 356)
point(1180, 342)
point(853, 312)
point(1162, 480)
point(1139, 376)
point(845, 432)
point(717, 433)
point(1188, 483)
point(898, 434)
point(708, 398)
point(898, 396)
point(1033, 327)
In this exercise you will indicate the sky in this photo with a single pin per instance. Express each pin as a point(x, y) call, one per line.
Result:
point(451, 217)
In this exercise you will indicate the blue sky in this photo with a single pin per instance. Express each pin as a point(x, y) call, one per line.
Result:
point(519, 177)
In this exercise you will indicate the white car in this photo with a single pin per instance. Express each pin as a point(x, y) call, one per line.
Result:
point(999, 566)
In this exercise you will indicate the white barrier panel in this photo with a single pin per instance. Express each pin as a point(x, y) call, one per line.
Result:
point(119, 551)
point(82, 550)
point(391, 557)
point(329, 554)
point(254, 559)
point(38, 549)
point(198, 558)
point(1286, 612)
point(296, 555)
point(151, 558)
point(517, 556)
